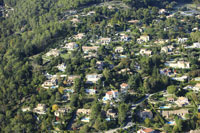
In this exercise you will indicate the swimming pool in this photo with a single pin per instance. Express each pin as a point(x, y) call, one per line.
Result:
point(170, 122)
point(107, 119)
point(164, 107)
point(105, 98)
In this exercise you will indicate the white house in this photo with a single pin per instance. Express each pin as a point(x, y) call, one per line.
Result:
point(182, 101)
point(196, 45)
point(61, 67)
point(196, 88)
point(105, 40)
point(86, 49)
point(83, 111)
point(61, 111)
point(93, 78)
point(40, 109)
point(91, 91)
point(50, 83)
point(99, 65)
point(124, 87)
point(179, 64)
point(182, 78)
point(119, 49)
point(182, 40)
point(124, 37)
point(53, 52)
point(167, 49)
point(143, 38)
point(113, 94)
point(79, 36)
point(71, 46)
point(162, 11)
point(111, 113)
point(145, 52)
point(26, 109)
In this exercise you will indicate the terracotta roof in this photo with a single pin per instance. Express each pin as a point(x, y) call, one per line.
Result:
point(124, 85)
point(111, 92)
point(148, 130)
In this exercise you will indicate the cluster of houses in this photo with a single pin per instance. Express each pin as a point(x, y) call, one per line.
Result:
point(90, 51)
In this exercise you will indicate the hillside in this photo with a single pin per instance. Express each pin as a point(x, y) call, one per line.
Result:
point(31, 28)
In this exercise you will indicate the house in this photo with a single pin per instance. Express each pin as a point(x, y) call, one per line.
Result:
point(91, 13)
point(194, 131)
point(179, 64)
point(162, 11)
point(86, 49)
point(124, 38)
point(53, 52)
point(79, 36)
point(167, 72)
point(93, 78)
point(182, 40)
point(167, 49)
point(145, 52)
point(75, 20)
point(48, 76)
point(50, 83)
point(170, 99)
point(61, 111)
point(124, 87)
point(40, 109)
point(99, 65)
point(70, 79)
point(105, 40)
point(83, 111)
point(143, 38)
point(180, 112)
point(90, 55)
point(182, 101)
point(125, 70)
point(161, 41)
point(196, 45)
point(119, 49)
point(113, 94)
point(71, 46)
point(146, 130)
point(188, 87)
point(111, 113)
point(26, 109)
point(91, 91)
point(133, 21)
point(146, 114)
point(61, 67)
point(196, 88)
point(181, 79)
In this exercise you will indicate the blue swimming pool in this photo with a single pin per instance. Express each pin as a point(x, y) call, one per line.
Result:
point(105, 98)
point(164, 107)
point(170, 122)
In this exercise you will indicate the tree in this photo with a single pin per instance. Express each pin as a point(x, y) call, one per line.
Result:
point(38, 60)
point(84, 129)
point(122, 110)
point(171, 89)
point(58, 96)
point(74, 101)
point(54, 107)
point(106, 74)
point(147, 122)
point(95, 110)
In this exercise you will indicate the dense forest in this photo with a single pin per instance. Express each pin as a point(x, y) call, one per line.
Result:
point(34, 26)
